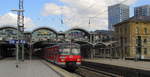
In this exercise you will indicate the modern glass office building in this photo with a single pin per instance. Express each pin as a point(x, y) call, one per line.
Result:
point(142, 10)
point(116, 14)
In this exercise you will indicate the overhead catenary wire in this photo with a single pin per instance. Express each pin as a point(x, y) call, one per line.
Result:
point(96, 16)
point(91, 6)
point(61, 20)
point(71, 18)
point(107, 10)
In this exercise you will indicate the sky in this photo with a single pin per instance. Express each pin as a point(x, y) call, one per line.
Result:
point(62, 15)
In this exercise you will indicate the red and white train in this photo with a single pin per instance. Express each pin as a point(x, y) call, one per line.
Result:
point(63, 54)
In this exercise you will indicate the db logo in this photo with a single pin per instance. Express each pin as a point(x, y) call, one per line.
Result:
point(71, 56)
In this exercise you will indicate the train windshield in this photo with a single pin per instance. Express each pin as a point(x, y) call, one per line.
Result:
point(67, 50)
point(75, 51)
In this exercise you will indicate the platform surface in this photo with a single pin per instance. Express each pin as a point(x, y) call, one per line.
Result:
point(28, 68)
point(123, 63)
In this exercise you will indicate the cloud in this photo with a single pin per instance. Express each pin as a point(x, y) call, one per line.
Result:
point(127, 2)
point(50, 8)
point(11, 19)
point(78, 13)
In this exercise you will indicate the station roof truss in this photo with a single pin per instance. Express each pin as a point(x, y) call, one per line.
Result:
point(46, 28)
point(80, 29)
point(8, 26)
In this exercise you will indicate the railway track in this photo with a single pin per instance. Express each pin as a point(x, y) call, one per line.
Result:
point(91, 72)
point(116, 71)
point(84, 71)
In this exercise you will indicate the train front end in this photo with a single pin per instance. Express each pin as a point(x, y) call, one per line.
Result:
point(70, 56)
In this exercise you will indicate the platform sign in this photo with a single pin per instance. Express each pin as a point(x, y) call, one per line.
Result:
point(17, 41)
point(12, 41)
point(22, 41)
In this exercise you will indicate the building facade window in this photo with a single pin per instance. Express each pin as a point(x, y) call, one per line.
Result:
point(145, 30)
point(119, 30)
point(145, 41)
point(125, 30)
point(145, 51)
point(138, 40)
point(137, 30)
point(125, 40)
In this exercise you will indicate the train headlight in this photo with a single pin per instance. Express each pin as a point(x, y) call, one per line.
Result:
point(78, 59)
point(62, 59)
point(71, 56)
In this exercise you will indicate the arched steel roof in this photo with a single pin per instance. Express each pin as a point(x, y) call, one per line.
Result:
point(41, 44)
point(106, 43)
point(83, 43)
point(47, 28)
point(8, 26)
point(80, 29)
point(100, 43)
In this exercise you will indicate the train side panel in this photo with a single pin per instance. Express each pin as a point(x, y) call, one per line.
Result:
point(53, 54)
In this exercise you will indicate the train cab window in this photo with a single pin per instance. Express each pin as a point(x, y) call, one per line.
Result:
point(65, 51)
point(75, 51)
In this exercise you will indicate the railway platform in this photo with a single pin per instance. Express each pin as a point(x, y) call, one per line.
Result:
point(123, 68)
point(143, 65)
point(28, 68)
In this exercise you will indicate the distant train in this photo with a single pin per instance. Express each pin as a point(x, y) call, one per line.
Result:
point(63, 54)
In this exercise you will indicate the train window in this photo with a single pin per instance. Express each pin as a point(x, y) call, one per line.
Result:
point(65, 51)
point(75, 51)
